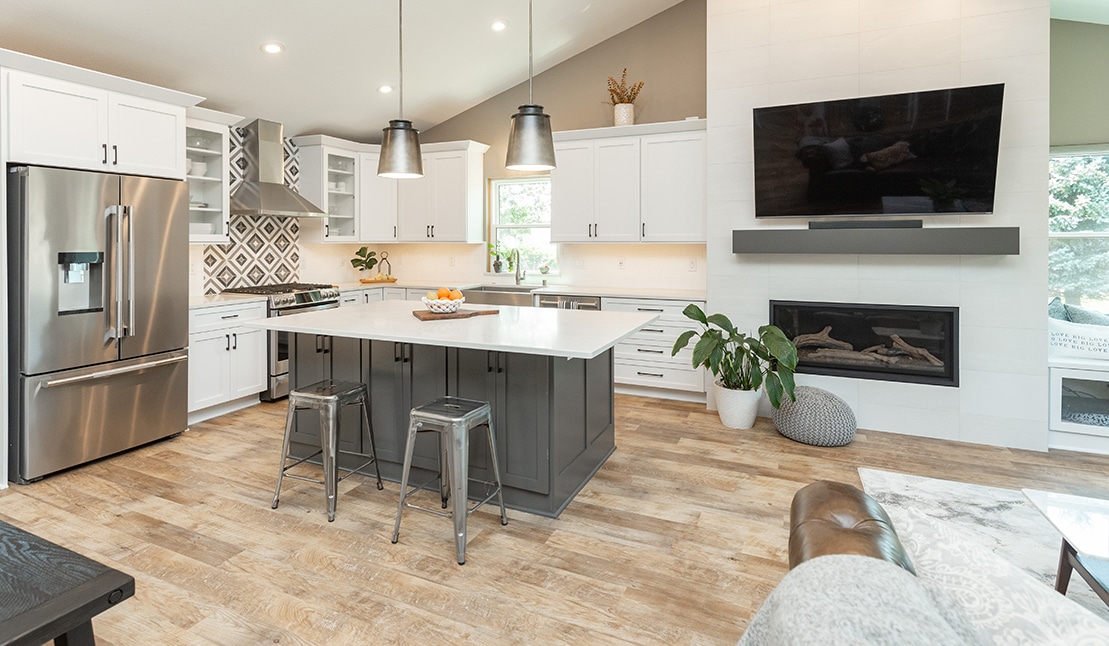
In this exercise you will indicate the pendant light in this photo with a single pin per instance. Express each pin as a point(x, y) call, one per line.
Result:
point(530, 146)
point(400, 146)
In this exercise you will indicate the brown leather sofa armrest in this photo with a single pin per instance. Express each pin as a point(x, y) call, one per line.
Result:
point(836, 518)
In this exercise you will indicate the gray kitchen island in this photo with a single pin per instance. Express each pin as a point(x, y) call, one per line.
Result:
point(546, 372)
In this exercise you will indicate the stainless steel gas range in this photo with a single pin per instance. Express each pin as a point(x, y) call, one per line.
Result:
point(285, 299)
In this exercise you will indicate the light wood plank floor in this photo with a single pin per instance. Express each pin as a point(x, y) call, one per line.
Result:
point(677, 540)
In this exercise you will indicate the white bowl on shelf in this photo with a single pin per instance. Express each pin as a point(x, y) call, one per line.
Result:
point(443, 305)
point(199, 168)
point(202, 228)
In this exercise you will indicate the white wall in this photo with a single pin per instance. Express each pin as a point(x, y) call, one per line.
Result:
point(768, 52)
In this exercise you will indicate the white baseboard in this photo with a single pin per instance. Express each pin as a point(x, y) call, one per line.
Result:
point(660, 393)
point(203, 414)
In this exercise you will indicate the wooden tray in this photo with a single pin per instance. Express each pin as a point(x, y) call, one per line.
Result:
point(370, 281)
point(428, 315)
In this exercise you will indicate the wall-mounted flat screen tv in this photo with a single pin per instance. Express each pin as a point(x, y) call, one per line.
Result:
point(932, 152)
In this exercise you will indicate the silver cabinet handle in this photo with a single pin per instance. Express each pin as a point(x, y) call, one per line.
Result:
point(113, 372)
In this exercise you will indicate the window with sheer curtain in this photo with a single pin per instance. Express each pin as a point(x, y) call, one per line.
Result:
point(1078, 227)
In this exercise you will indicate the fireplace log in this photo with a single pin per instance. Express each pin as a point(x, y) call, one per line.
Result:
point(822, 339)
point(915, 352)
point(850, 357)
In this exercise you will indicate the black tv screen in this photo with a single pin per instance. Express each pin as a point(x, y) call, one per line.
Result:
point(899, 154)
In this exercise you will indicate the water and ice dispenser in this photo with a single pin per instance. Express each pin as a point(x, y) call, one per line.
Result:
point(80, 282)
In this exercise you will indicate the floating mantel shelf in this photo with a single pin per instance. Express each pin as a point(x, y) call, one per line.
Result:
point(968, 241)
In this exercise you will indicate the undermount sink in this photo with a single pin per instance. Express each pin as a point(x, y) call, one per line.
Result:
point(518, 295)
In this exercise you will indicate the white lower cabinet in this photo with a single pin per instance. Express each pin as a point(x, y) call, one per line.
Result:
point(644, 358)
point(227, 360)
point(359, 296)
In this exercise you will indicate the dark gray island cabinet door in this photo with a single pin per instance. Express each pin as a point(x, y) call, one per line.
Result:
point(517, 388)
point(315, 358)
point(403, 376)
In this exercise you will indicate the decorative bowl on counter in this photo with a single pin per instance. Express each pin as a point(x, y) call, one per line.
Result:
point(443, 305)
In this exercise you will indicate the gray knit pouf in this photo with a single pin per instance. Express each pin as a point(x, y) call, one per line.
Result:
point(817, 417)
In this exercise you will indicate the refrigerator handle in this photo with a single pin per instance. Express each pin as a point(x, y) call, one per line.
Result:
point(129, 329)
point(113, 283)
point(100, 374)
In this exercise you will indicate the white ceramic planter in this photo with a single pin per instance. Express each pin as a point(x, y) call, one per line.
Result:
point(623, 114)
point(737, 408)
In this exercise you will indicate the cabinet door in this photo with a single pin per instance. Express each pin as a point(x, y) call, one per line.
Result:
point(616, 190)
point(448, 196)
point(372, 295)
point(351, 297)
point(414, 207)
point(390, 421)
point(394, 293)
point(147, 137)
point(208, 369)
point(377, 208)
point(522, 420)
point(572, 192)
point(247, 362)
point(56, 123)
point(672, 189)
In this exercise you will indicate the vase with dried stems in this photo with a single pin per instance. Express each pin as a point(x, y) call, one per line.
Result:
point(622, 96)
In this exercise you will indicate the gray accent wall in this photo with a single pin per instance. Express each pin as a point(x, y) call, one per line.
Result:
point(1079, 84)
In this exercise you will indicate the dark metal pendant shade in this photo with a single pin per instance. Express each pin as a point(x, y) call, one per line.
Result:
point(400, 151)
point(530, 146)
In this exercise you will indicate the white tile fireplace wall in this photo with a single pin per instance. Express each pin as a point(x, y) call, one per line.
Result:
point(768, 52)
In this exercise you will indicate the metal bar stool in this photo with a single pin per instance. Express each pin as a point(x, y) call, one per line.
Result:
point(452, 418)
point(329, 397)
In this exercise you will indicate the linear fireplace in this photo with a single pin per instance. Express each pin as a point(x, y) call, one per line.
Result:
point(906, 343)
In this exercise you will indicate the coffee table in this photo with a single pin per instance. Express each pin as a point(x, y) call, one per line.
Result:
point(1084, 524)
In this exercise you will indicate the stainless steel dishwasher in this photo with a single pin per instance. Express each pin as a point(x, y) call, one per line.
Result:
point(570, 302)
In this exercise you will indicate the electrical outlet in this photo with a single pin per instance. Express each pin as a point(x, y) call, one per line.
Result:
point(450, 261)
point(579, 263)
point(692, 264)
point(620, 263)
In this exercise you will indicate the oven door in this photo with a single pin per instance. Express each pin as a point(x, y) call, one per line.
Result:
point(279, 351)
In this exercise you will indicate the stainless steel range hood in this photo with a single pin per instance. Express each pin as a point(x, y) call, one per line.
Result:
point(263, 191)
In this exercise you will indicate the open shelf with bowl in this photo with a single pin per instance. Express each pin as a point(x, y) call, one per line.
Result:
point(207, 171)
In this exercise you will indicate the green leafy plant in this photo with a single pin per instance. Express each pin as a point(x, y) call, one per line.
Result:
point(940, 189)
point(740, 361)
point(363, 259)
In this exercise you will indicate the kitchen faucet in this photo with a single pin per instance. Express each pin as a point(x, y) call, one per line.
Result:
point(520, 273)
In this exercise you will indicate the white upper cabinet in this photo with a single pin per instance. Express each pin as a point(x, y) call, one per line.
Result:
point(445, 205)
point(672, 193)
point(378, 208)
point(330, 179)
point(635, 183)
point(60, 123)
point(208, 172)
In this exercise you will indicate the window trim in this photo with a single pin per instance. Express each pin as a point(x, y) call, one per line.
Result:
point(493, 221)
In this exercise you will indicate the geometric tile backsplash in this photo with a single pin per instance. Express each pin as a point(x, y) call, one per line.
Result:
point(264, 249)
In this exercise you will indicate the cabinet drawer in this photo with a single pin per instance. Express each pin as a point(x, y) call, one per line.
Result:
point(659, 334)
point(658, 376)
point(633, 351)
point(223, 316)
point(668, 311)
point(351, 297)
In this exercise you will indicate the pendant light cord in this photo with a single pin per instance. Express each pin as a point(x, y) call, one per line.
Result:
point(531, 22)
point(400, 46)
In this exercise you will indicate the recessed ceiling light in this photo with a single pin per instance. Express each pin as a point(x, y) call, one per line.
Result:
point(500, 25)
point(385, 89)
point(273, 47)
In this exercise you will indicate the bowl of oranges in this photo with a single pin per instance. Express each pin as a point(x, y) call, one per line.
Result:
point(444, 301)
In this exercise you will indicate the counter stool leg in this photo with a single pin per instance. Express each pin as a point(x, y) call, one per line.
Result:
point(444, 468)
point(370, 432)
point(496, 469)
point(409, 445)
point(284, 452)
point(459, 479)
point(329, 442)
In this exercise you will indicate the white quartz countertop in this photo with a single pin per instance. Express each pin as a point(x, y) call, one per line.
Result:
point(565, 290)
point(572, 334)
point(213, 300)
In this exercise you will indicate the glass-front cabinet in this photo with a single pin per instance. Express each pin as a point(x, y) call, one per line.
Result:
point(208, 173)
point(329, 178)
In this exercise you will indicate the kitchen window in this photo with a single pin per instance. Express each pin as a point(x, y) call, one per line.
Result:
point(1078, 226)
point(520, 219)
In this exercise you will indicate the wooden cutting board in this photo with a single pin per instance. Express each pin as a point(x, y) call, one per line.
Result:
point(428, 315)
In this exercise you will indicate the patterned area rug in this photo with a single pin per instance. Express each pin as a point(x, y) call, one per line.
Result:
point(1002, 520)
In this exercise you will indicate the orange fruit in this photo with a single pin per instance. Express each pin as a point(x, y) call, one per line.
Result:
point(455, 294)
point(444, 292)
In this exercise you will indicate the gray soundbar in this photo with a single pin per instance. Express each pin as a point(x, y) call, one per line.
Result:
point(964, 241)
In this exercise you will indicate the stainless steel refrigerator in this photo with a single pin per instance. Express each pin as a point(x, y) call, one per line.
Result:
point(98, 315)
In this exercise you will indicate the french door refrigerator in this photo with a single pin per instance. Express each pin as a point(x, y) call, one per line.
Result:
point(98, 315)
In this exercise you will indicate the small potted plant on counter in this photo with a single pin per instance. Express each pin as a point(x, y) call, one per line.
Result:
point(364, 260)
point(742, 364)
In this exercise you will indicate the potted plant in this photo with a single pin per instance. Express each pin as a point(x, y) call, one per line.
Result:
point(363, 260)
point(622, 96)
point(742, 364)
point(495, 252)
